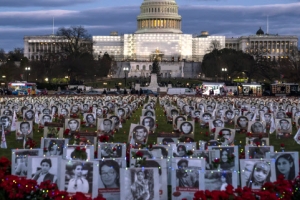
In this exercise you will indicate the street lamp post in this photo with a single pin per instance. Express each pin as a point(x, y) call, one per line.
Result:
point(224, 70)
point(27, 69)
point(125, 69)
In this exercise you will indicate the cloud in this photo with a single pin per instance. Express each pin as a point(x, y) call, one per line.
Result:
point(42, 3)
point(231, 21)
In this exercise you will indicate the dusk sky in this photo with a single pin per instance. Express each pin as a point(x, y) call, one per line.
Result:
point(232, 18)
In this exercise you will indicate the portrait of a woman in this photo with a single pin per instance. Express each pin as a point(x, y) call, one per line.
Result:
point(285, 166)
point(261, 173)
point(181, 151)
point(225, 163)
point(109, 173)
point(78, 182)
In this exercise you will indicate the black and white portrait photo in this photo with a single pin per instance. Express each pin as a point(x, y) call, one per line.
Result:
point(286, 164)
point(187, 175)
point(256, 172)
point(216, 180)
point(138, 134)
point(74, 109)
point(148, 113)
point(257, 141)
point(46, 111)
point(7, 112)
point(166, 140)
point(140, 183)
point(257, 127)
point(177, 120)
point(72, 124)
point(229, 115)
point(148, 122)
point(45, 118)
point(105, 126)
point(116, 121)
point(257, 152)
point(78, 152)
point(180, 149)
point(44, 169)
point(20, 160)
point(283, 127)
point(64, 112)
point(228, 157)
point(109, 173)
point(225, 135)
point(5, 123)
point(121, 112)
point(28, 115)
point(161, 165)
point(208, 156)
point(242, 122)
point(205, 118)
point(79, 177)
point(89, 119)
point(24, 129)
point(111, 150)
point(53, 146)
point(186, 128)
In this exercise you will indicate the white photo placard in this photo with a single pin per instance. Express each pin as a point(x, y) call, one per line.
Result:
point(257, 152)
point(42, 168)
point(78, 152)
point(19, 159)
point(219, 180)
point(134, 180)
point(111, 150)
point(228, 157)
point(109, 177)
point(79, 176)
point(53, 146)
point(256, 172)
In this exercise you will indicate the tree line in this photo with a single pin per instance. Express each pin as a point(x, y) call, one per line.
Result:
point(72, 62)
point(255, 65)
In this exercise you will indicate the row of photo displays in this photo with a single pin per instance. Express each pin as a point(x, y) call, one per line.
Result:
point(165, 165)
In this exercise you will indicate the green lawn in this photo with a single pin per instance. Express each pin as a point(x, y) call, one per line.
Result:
point(163, 126)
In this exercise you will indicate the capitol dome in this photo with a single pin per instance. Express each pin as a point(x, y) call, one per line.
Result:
point(159, 16)
point(260, 32)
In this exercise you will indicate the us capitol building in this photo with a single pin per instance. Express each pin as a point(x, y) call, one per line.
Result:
point(159, 36)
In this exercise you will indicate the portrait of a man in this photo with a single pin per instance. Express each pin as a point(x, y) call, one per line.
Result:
point(116, 121)
point(6, 122)
point(45, 119)
point(229, 115)
point(148, 122)
point(140, 134)
point(226, 136)
point(121, 112)
point(242, 122)
point(29, 115)
point(218, 123)
point(24, 130)
point(107, 126)
point(205, 118)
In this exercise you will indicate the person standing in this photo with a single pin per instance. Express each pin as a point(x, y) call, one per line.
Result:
point(140, 188)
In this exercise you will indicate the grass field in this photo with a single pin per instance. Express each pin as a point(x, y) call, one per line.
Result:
point(163, 126)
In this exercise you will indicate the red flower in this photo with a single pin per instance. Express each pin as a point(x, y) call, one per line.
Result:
point(67, 132)
point(104, 138)
point(114, 149)
point(83, 149)
point(176, 194)
point(139, 154)
point(213, 130)
point(282, 145)
point(77, 149)
point(220, 134)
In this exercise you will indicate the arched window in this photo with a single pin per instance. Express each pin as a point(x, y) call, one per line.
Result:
point(137, 67)
point(150, 67)
point(144, 67)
